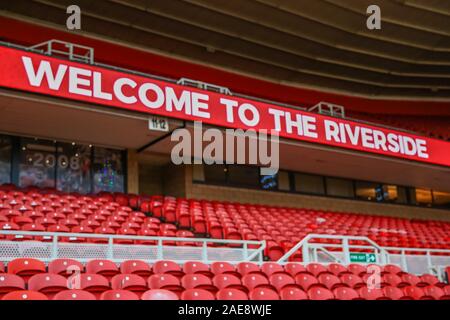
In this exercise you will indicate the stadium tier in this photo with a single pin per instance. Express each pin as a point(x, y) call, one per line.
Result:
point(31, 279)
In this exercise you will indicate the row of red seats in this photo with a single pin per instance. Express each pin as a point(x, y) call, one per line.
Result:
point(282, 228)
point(220, 279)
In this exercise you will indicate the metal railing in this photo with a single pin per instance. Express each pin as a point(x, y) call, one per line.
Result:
point(72, 51)
point(413, 260)
point(88, 246)
point(329, 109)
point(204, 86)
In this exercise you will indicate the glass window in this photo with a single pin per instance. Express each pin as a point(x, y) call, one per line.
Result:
point(269, 182)
point(366, 190)
point(37, 163)
point(307, 183)
point(441, 198)
point(5, 159)
point(401, 195)
point(421, 196)
point(74, 168)
point(243, 176)
point(215, 173)
point(284, 181)
point(108, 170)
point(340, 187)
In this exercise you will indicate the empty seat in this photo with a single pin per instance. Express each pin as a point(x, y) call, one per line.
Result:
point(10, 282)
point(337, 269)
point(197, 294)
point(413, 292)
point(106, 268)
point(65, 267)
point(24, 295)
point(169, 267)
point(119, 295)
point(94, 283)
point(345, 293)
point(47, 283)
point(409, 279)
point(393, 293)
point(130, 282)
point(263, 294)
point(231, 294)
point(435, 293)
point(370, 294)
point(316, 269)
point(427, 280)
point(159, 294)
point(329, 280)
point(223, 267)
point(292, 293)
point(200, 281)
point(227, 280)
point(270, 268)
point(318, 293)
point(247, 267)
point(294, 268)
point(352, 280)
point(74, 294)
point(190, 267)
point(255, 280)
point(26, 267)
point(138, 267)
point(165, 281)
point(282, 280)
point(306, 281)
point(394, 269)
point(356, 269)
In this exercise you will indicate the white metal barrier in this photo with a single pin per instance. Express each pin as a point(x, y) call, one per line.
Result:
point(341, 249)
point(74, 52)
point(51, 247)
point(329, 109)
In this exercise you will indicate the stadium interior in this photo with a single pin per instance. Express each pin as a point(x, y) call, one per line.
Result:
point(92, 206)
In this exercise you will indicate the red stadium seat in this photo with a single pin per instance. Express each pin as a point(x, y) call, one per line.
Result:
point(74, 295)
point(282, 280)
point(25, 295)
point(317, 293)
point(190, 267)
point(291, 293)
point(130, 282)
point(306, 281)
point(106, 268)
point(119, 295)
point(352, 280)
point(26, 267)
point(47, 283)
point(337, 269)
point(169, 267)
point(247, 267)
point(165, 281)
point(394, 269)
point(371, 294)
point(263, 294)
point(138, 267)
point(270, 268)
point(198, 281)
point(294, 268)
point(435, 293)
point(65, 267)
point(356, 269)
point(227, 280)
point(231, 294)
point(393, 293)
point(344, 293)
point(94, 283)
point(159, 294)
point(255, 280)
point(10, 282)
point(391, 279)
point(197, 294)
point(330, 281)
point(427, 280)
point(413, 292)
point(224, 267)
point(316, 269)
point(409, 279)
